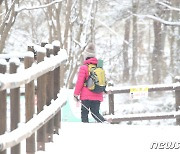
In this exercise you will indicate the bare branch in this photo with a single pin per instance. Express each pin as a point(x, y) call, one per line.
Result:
point(39, 7)
point(167, 23)
point(7, 16)
point(168, 6)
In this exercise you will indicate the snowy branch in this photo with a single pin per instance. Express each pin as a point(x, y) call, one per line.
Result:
point(7, 16)
point(168, 6)
point(1, 14)
point(106, 26)
point(88, 19)
point(38, 7)
point(167, 23)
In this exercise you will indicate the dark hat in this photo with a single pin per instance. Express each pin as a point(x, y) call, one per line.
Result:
point(89, 51)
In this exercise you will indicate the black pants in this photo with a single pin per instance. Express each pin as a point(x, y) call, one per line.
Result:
point(94, 107)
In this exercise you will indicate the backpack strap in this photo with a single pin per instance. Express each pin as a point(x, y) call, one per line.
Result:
point(88, 72)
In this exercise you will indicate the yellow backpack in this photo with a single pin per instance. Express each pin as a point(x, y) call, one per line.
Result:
point(96, 81)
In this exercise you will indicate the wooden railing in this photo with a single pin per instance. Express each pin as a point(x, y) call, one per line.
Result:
point(151, 116)
point(42, 94)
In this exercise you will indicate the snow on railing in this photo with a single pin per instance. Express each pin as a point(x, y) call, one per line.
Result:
point(147, 88)
point(37, 70)
point(155, 87)
point(44, 96)
point(19, 55)
point(25, 130)
point(143, 116)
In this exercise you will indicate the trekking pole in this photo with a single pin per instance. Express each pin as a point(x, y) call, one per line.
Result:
point(78, 100)
point(91, 112)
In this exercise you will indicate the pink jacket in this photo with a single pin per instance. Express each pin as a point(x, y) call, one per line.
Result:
point(80, 89)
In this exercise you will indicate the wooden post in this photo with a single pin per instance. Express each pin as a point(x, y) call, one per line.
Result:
point(177, 97)
point(14, 107)
point(41, 99)
point(111, 104)
point(31, 48)
point(50, 95)
point(3, 106)
point(29, 99)
point(43, 44)
point(57, 118)
point(111, 100)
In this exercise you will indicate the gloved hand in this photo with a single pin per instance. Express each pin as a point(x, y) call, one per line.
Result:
point(76, 98)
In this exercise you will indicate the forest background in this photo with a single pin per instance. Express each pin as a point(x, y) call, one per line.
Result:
point(139, 40)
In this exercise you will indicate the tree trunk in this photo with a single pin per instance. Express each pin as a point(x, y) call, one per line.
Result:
point(175, 56)
point(135, 42)
point(92, 27)
point(158, 63)
point(178, 54)
point(125, 51)
point(157, 53)
point(7, 23)
point(50, 22)
point(58, 18)
point(67, 23)
point(172, 39)
point(74, 68)
point(79, 36)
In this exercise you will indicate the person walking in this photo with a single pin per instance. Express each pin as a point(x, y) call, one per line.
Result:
point(89, 100)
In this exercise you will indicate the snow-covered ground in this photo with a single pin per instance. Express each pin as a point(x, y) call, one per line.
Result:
point(142, 137)
point(93, 138)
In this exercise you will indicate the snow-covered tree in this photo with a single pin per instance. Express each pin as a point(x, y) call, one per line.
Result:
point(138, 40)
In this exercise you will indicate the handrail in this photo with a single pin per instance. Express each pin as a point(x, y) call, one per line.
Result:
point(16, 80)
point(20, 55)
point(26, 130)
point(144, 116)
point(150, 88)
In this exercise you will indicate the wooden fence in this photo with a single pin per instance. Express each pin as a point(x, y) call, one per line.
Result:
point(43, 98)
point(151, 116)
